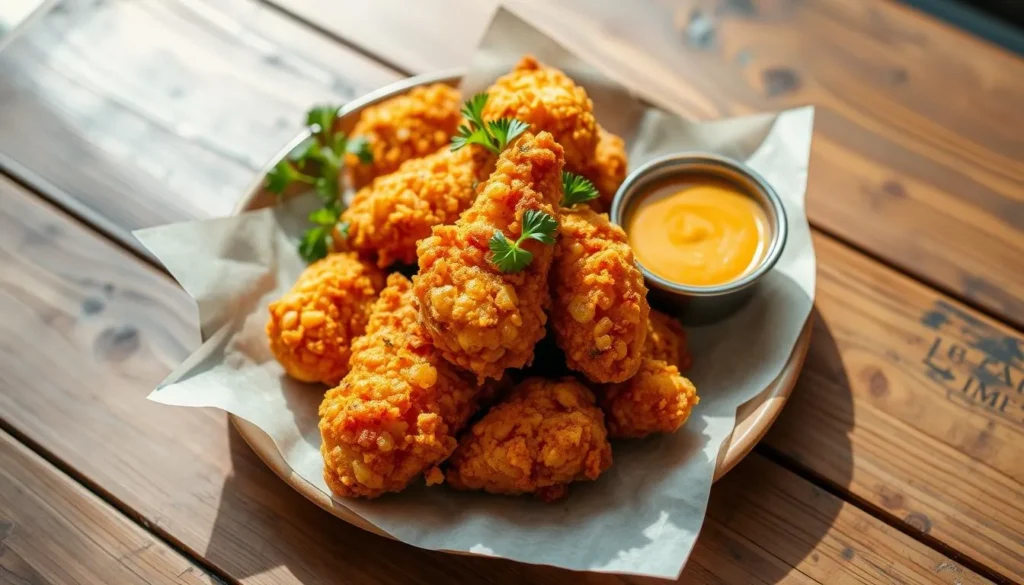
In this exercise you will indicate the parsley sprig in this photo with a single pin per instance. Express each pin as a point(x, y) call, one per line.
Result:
point(318, 162)
point(510, 256)
point(494, 135)
point(576, 189)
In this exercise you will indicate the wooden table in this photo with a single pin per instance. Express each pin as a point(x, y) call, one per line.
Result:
point(900, 458)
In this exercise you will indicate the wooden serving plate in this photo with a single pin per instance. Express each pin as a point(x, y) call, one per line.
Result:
point(753, 418)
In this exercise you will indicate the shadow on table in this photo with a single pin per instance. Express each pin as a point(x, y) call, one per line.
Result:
point(763, 517)
point(263, 525)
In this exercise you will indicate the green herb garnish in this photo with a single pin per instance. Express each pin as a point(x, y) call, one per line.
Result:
point(510, 256)
point(494, 135)
point(576, 189)
point(319, 161)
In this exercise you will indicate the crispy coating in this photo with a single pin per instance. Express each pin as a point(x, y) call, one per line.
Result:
point(599, 301)
point(311, 326)
point(607, 169)
point(388, 217)
point(549, 101)
point(543, 436)
point(658, 399)
point(396, 413)
point(409, 126)
point(666, 341)
point(482, 319)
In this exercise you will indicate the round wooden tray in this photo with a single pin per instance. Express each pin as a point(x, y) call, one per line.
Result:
point(753, 418)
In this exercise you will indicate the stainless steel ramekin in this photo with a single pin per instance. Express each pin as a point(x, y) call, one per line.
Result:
point(703, 304)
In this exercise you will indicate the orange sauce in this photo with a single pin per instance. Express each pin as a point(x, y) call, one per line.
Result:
point(699, 231)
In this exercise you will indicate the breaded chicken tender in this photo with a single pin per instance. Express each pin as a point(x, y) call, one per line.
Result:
point(409, 126)
point(666, 341)
point(396, 413)
point(599, 301)
point(549, 101)
point(658, 399)
point(388, 217)
point(543, 436)
point(311, 327)
point(480, 318)
point(607, 169)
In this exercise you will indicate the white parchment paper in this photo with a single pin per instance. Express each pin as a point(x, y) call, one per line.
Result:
point(644, 514)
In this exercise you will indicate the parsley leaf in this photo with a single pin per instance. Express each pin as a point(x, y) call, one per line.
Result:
point(324, 216)
point(506, 130)
point(473, 110)
point(467, 136)
point(510, 256)
point(360, 147)
point(327, 189)
point(539, 226)
point(314, 243)
point(320, 119)
point(319, 161)
point(494, 135)
point(307, 150)
point(576, 189)
point(284, 174)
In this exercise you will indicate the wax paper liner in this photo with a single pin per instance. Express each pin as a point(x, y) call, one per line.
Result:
point(644, 514)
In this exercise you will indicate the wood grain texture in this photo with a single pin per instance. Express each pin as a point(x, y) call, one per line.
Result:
point(149, 112)
point(914, 404)
point(918, 155)
point(104, 328)
point(53, 531)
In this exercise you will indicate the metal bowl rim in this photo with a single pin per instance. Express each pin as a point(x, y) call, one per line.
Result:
point(631, 187)
point(449, 76)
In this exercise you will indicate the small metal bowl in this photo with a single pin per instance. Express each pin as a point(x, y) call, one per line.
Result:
point(696, 305)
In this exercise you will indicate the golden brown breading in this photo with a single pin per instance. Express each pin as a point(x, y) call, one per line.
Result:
point(549, 101)
point(409, 126)
point(395, 415)
point(311, 326)
point(658, 399)
point(388, 217)
point(599, 301)
point(666, 341)
point(607, 169)
point(543, 436)
point(482, 319)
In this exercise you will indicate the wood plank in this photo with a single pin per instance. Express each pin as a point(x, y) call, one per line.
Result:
point(914, 404)
point(149, 112)
point(105, 328)
point(54, 531)
point(917, 157)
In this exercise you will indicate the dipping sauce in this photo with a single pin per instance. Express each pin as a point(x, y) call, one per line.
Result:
point(699, 231)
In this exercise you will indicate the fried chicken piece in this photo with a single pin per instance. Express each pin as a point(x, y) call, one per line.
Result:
point(607, 169)
point(483, 319)
point(543, 436)
point(409, 126)
point(396, 413)
point(549, 101)
point(599, 301)
point(312, 325)
point(658, 399)
point(388, 217)
point(666, 341)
